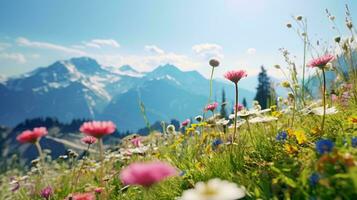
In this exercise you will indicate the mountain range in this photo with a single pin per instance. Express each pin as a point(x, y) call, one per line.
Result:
point(82, 88)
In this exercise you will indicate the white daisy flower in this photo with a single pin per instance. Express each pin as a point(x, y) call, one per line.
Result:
point(214, 189)
point(262, 119)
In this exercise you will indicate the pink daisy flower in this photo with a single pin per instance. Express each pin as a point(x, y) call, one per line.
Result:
point(211, 107)
point(321, 61)
point(29, 136)
point(186, 122)
point(89, 140)
point(98, 129)
point(136, 141)
point(238, 107)
point(235, 75)
point(82, 196)
point(146, 174)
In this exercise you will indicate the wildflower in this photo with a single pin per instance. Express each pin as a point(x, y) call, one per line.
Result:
point(223, 122)
point(214, 63)
point(146, 174)
point(170, 129)
point(264, 119)
point(211, 107)
point(89, 140)
point(288, 25)
point(214, 189)
point(300, 137)
point(324, 146)
point(235, 75)
point(285, 84)
point(299, 18)
point(321, 61)
point(46, 192)
point(33, 136)
point(199, 118)
point(82, 196)
point(352, 120)
point(354, 142)
point(314, 179)
point(98, 129)
point(136, 141)
point(276, 114)
point(238, 107)
point(216, 143)
point(185, 123)
point(281, 136)
point(290, 149)
point(98, 190)
point(15, 185)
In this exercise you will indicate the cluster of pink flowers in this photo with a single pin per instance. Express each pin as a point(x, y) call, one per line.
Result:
point(321, 61)
point(32, 136)
point(235, 75)
point(146, 174)
point(82, 196)
point(211, 107)
point(98, 129)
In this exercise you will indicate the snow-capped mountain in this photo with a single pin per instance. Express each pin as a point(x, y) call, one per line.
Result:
point(82, 88)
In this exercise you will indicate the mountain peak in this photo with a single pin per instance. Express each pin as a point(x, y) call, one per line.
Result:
point(126, 68)
point(166, 69)
point(86, 65)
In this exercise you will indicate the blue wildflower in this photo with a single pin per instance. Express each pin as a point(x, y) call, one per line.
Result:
point(354, 142)
point(314, 179)
point(281, 136)
point(324, 146)
point(216, 143)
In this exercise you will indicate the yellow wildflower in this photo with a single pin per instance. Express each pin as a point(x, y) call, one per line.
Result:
point(300, 137)
point(194, 125)
point(290, 149)
point(276, 114)
point(352, 120)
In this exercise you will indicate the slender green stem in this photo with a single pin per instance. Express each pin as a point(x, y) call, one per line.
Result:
point(235, 114)
point(210, 86)
point(323, 99)
point(303, 68)
point(39, 149)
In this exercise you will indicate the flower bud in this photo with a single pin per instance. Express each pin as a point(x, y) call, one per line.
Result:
point(214, 63)
point(337, 39)
point(288, 25)
point(332, 17)
point(285, 84)
point(277, 66)
point(299, 18)
point(349, 24)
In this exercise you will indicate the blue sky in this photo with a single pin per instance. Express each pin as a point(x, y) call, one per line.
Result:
point(243, 34)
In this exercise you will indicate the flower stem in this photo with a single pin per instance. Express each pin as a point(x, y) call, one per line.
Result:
point(323, 99)
point(100, 145)
point(303, 68)
point(235, 114)
point(210, 85)
point(39, 149)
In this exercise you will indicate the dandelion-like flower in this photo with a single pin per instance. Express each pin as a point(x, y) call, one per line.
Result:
point(47, 192)
point(214, 189)
point(147, 174)
point(33, 136)
point(89, 140)
point(235, 75)
point(98, 129)
point(199, 118)
point(324, 146)
point(321, 61)
point(211, 107)
point(170, 129)
point(214, 63)
point(185, 123)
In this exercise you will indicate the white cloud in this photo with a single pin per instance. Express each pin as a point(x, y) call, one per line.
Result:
point(208, 50)
point(45, 45)
point(148, 63)
point(154, 49)
point(251, 51)
point(17, 57)
point(99, 43)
